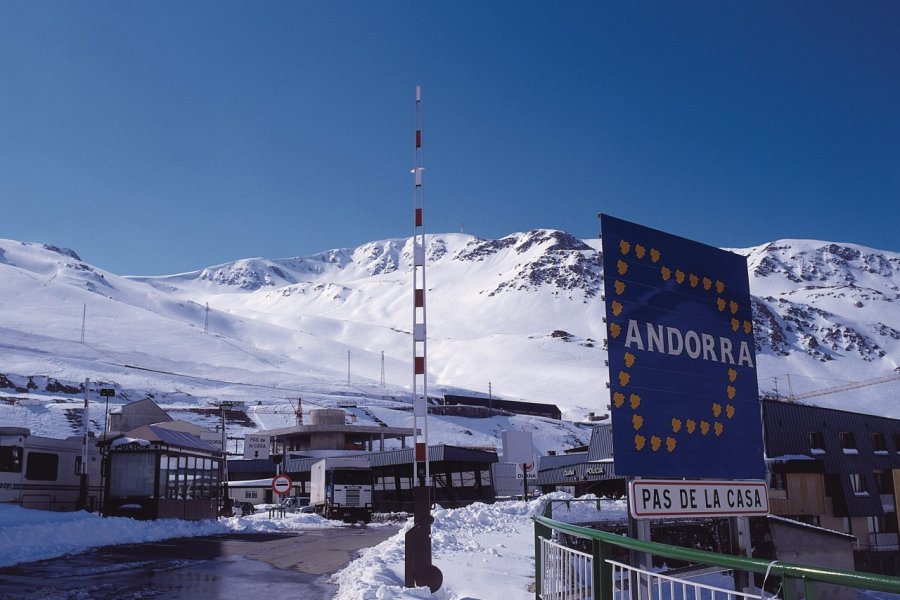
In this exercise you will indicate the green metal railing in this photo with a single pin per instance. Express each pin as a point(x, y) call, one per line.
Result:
point(794, 577)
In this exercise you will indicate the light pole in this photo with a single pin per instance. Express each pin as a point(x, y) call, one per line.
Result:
point(226, 500)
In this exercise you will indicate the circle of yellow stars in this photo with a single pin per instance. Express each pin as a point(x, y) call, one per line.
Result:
point(699, 424)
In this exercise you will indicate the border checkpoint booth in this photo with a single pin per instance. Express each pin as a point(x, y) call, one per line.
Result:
point(152, 472)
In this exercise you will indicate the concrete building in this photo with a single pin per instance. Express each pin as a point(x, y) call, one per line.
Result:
point(328, 430)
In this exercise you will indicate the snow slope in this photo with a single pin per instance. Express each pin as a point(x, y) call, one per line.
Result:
point(520, 317)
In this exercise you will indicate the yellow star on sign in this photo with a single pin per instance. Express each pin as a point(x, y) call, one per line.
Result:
point(639, 442)
point(671, 443)
point(655, 255)
point(655, 442)
point(629, 359)
point(635, 401)
point(624, 378)
point(694, 280)
point(716, 409)
point(704, 427)
point(732, 375)
point(616, 308)
point(748, 326)
point(640, 251)
point(733, 306)
point(615, 329)
point(707, 283)
point(637, 421)
point(620, 287)
point(718, 428)
point(720, 304)
point(619, 399)
point(691, 425)
point(735, 324)
point(666, 273)
point(676, 425)
point(729, 411)
point(679, 276)
point(622, 267)
point(731, 391)
point(624, 247)
point(720, 287)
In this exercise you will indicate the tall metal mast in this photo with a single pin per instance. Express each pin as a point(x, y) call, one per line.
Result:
point(420, 379)
point(419, 569)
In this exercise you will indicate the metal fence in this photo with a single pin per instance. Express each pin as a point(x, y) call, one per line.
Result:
point(565, 573)
point(569, 573)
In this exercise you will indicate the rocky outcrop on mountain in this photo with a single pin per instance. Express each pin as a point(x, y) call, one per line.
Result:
point(826, 300)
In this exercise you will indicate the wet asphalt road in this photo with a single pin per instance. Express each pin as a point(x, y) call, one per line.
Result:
point(236, 567)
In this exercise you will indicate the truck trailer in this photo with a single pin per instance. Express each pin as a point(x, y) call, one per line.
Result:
point(341, 488)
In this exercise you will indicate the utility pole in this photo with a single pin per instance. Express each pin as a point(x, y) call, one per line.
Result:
point(83, 471)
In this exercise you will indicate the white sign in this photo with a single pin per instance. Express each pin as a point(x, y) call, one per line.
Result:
point(706, 498)
point(213, 438)
point(517, 446)
point(281, 484)
point(256, 446)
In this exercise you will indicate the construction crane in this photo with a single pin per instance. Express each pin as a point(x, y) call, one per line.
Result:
point(792, 397)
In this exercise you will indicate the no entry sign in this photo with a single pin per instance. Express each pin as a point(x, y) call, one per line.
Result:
point(281, 484)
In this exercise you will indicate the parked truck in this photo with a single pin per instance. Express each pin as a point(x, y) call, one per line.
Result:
point(341, 488)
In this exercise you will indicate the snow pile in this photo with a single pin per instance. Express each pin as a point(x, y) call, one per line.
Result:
point(40, 535)
point(483, 550)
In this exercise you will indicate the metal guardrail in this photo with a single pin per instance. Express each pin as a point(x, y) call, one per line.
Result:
point(566, 575)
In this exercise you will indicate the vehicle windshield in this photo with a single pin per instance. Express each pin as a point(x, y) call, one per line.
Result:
point(353, 476)
point(10, 459)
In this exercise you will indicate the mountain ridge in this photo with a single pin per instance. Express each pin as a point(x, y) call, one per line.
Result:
point(520, 317)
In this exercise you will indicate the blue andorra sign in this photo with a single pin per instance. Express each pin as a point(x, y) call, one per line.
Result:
point(682, 365)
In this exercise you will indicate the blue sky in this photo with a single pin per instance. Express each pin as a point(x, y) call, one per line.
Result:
point(162, 137)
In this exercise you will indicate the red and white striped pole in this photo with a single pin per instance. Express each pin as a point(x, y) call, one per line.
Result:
point(419, 570)
point(420, 379)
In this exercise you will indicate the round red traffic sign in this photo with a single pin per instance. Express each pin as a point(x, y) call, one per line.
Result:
point(281, 484)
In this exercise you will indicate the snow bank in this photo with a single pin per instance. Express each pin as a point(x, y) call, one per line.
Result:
point(483, 550)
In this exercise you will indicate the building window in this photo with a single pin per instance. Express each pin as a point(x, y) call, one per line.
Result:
point(778, 485)
point(858, 483)
point(132, 474)
point(885, 482)
point(878, 442)
point(848, 442)
point(816, 442)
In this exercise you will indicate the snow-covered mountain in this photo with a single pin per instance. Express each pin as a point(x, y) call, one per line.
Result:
point(519, 317)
